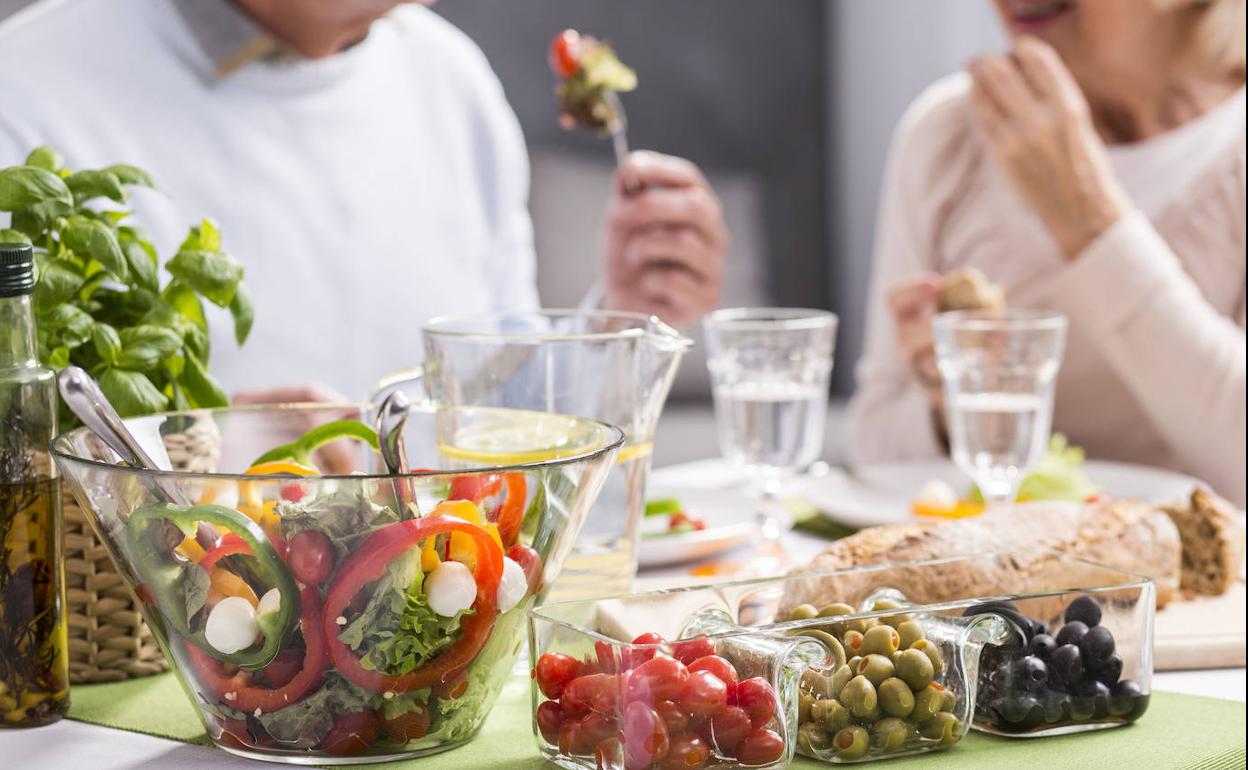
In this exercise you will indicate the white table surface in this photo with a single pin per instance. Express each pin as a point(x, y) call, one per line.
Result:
point(70, 744)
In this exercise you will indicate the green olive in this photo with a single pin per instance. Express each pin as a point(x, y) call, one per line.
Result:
point(943, 727)
point(880, 640)
point(889, 604)
point(910, 632)
point(853, 662)
point(840, 679)
point(895, 698)
point(818, 682)
point(872, 716)
point(915, 669)
point(836, 652)
point(950, 702)
point(891, 734)
point(852, 641)
point(851, 743)
point(875, 668)
point(830, 713)
point(804, 701)
point(838, 609)
point(813, 739)
point(927, 702)
point(859, 696)
point(932, 651)
point(803, 612)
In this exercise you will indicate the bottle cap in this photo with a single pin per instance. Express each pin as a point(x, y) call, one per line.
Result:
point(17, 269)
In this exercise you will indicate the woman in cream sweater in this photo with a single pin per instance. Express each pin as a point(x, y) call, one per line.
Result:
point(1097, 169)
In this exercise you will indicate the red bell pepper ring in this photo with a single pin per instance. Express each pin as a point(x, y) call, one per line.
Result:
point(236, 690)
point(232, 545)
point(511, 513)
point(369, 562)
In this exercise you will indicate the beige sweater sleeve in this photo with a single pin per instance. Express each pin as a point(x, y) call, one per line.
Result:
point(1180, 358)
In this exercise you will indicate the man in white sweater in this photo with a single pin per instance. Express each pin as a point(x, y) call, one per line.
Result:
point(361, 161)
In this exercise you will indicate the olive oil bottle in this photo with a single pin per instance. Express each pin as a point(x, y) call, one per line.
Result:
point(34, 659)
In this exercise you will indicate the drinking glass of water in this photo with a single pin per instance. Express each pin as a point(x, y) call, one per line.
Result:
point(769, 376)
point(999, 369)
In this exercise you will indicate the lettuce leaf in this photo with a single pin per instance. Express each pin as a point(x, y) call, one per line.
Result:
point(306, 722)
point(345, 516)
point(1058, 476)
point(397, 632)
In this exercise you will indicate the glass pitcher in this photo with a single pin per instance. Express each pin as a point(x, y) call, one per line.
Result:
point(610, 366)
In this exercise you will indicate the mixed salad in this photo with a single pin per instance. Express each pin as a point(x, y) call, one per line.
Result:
point(589, 75)
point(330, 618)
point(1059, 475)
point(679, 521)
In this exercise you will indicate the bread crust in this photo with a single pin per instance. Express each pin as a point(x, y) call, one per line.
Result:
point(1213, 543)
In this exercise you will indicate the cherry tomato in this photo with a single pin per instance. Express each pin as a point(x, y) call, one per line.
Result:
point(758, 699)
point(594, 729)
point(704, 694)
point(605, 653)
point(634, 657)
point(609, 754)
point(352, 733)
point(726, 729)
point(569, 733)
point(282, 668)
point(657, 679)
point(311, 557)
point(645, 736)
point(466, 487)
point(454, 687)
point(234, 733)
point(688, 752)
point(549, 719)
point(722, 669)
point(673, 716)
point(761, 747)
point(596, 692)
point(292, 493)
point(565, 53)
point(530, 562)
point(689, 650)
point(554, 670)
point(408, 726)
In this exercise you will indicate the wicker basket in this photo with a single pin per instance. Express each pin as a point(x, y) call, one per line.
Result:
point(108, 640)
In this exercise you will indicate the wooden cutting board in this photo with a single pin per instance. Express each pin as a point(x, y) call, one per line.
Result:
point(1207, 632)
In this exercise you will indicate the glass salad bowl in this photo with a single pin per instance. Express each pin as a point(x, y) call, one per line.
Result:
point(347, 615)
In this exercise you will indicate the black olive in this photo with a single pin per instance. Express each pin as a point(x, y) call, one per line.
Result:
point(1084, 609)
point(1071, 632)
point(1110, 671)
point(1065, 666)
point(1096, 645)
point(1032, 670)
point(1090, 691)
point(1123, 697)
point(1042, 646)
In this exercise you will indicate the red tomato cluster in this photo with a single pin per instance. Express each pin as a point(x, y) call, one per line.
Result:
point(646, 709)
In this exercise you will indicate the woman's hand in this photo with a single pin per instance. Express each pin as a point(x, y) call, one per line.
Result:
point(1041, 133)
point(913, 305)
point(665, 242)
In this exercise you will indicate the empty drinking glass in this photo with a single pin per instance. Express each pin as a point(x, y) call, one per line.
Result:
point(769, 375)
point(999, 370)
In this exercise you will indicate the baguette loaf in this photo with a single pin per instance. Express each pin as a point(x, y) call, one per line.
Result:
point(1213, 542)
point(1126, 535)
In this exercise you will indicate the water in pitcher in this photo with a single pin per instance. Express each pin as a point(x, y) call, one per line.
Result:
point(771, 424)
point(1003, 433)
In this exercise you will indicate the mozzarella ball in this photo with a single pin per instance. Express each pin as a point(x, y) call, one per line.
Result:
point(451, 588)
point(937, 494)
point(232, 625)
point(270, 602)
point(513, 586)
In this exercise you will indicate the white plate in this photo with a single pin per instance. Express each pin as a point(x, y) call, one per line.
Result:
point(880, 493)
point(729, 517)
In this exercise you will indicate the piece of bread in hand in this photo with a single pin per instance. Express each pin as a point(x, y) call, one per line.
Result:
point(1123, 534)
point(1213, 542)
point(969, 289)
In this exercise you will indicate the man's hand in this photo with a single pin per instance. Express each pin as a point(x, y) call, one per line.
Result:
point(913, 305)
point(665, 241)
point(1040, 130)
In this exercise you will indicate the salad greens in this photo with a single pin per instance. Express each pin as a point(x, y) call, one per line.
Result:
point(306, 722)
point(345, 516)
point(1058, 476)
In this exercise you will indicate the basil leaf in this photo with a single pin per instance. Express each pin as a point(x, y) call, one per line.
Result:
point(132, 393)
point(86, 185)
point(244, 314)
point(25, 186)
point(45, 158)
point(185, 301)
point(131, 175)
point(141, 259)
point(202, 237)
point(195, 583)
point(94, 239)
point(33, 221)
point(58, 358)
point(211, 273)
point(13, 236)
point(145, 346)
point(107, 343)
point(57, 283)
point(67, 325)
point(202, 388)
point(180, 402)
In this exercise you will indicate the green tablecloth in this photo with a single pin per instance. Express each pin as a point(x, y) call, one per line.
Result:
point(1179, 731)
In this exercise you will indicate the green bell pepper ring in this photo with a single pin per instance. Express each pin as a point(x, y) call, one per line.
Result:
point(163, 576)
point(301, 449)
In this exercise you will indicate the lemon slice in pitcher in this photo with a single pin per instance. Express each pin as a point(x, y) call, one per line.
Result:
point(517, 437)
